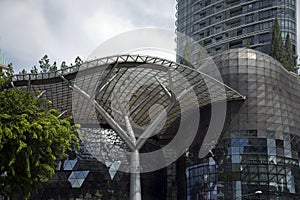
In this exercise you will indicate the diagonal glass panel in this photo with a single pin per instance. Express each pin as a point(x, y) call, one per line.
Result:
point(77, 178)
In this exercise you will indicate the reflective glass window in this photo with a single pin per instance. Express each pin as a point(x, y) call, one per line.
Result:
point(272, 151)
point(271, 134)
point(279, 143)
point(235, 159)
point(272, 159)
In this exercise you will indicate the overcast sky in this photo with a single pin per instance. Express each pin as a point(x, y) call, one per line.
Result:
point(64, 29)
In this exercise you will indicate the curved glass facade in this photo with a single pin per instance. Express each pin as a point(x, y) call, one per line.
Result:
point(259, 149)
point(227, 24)
point(250, 164)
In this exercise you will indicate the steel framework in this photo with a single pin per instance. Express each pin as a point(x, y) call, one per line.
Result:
point(120, 91)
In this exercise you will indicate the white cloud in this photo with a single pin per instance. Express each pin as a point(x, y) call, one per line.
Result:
point(64, 29)
point(102, 26)
point(154, 41)
point(25, 33)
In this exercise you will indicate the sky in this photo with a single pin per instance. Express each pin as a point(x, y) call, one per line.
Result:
point(65, 29)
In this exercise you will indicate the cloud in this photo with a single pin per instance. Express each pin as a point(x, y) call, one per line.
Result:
point(149, 41)
point(25, 33)
point(65, 29)
point(102, 26)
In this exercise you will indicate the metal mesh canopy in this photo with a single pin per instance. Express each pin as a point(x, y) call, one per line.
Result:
point(141, 83)
point(145, 86)
point(138, 81)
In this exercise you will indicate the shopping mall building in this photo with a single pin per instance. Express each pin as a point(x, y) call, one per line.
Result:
point(255, 154)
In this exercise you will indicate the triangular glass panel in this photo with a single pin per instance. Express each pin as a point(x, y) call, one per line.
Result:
point(116, 165)
point(112, 173)
point(85, 173)
point(69, 164)
point(108, 164)
point(78, 174)
point(114, 168)
point(72, 176)
point(80, 182)
point(74, 183)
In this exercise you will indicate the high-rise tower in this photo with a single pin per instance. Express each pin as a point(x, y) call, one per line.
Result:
point(3, 61)
point(227, 24)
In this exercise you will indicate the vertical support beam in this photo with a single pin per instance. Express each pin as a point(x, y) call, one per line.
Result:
point(135, 172)
point(129, 136)
point(28, 85)
point(135, 176)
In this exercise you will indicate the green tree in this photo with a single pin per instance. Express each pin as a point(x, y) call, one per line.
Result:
point(201, 54)
point(34, 70)
point(283, 52)
point(248, 44)
point(78, 61)
point(53, 67)
point(277, 47)
point(2, 79)
point(290, 61)
point(32, 140)
point(10, 69)
point(63, 65)
point(23, 71)
point(44, 64)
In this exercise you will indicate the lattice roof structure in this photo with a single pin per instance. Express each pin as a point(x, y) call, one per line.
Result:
point(145, 85)
point(135, 79)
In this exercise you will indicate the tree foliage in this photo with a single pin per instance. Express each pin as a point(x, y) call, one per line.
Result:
point(63, 65)
point(277, 43)
point(34, 70)
point(202, 55)
point(53, 67)
point(78, 61)
point(23, 71)
point(248, 45)
point(32, 140)
point(44, 64)
point(290, 61)
point(283, 52)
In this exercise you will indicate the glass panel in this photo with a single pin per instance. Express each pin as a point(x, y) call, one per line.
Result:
point(272, 151)
point(244, 141)
point(235, 142)
point(238, 189)
point(69, 164)
point(235, 150)
point(290, 181)
point(272, 159)
point(288, 153)
point(263, 177)
point(279, 143)
point(271, 134)
point(273, 186)
point(235, 159)
point(271, 142)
